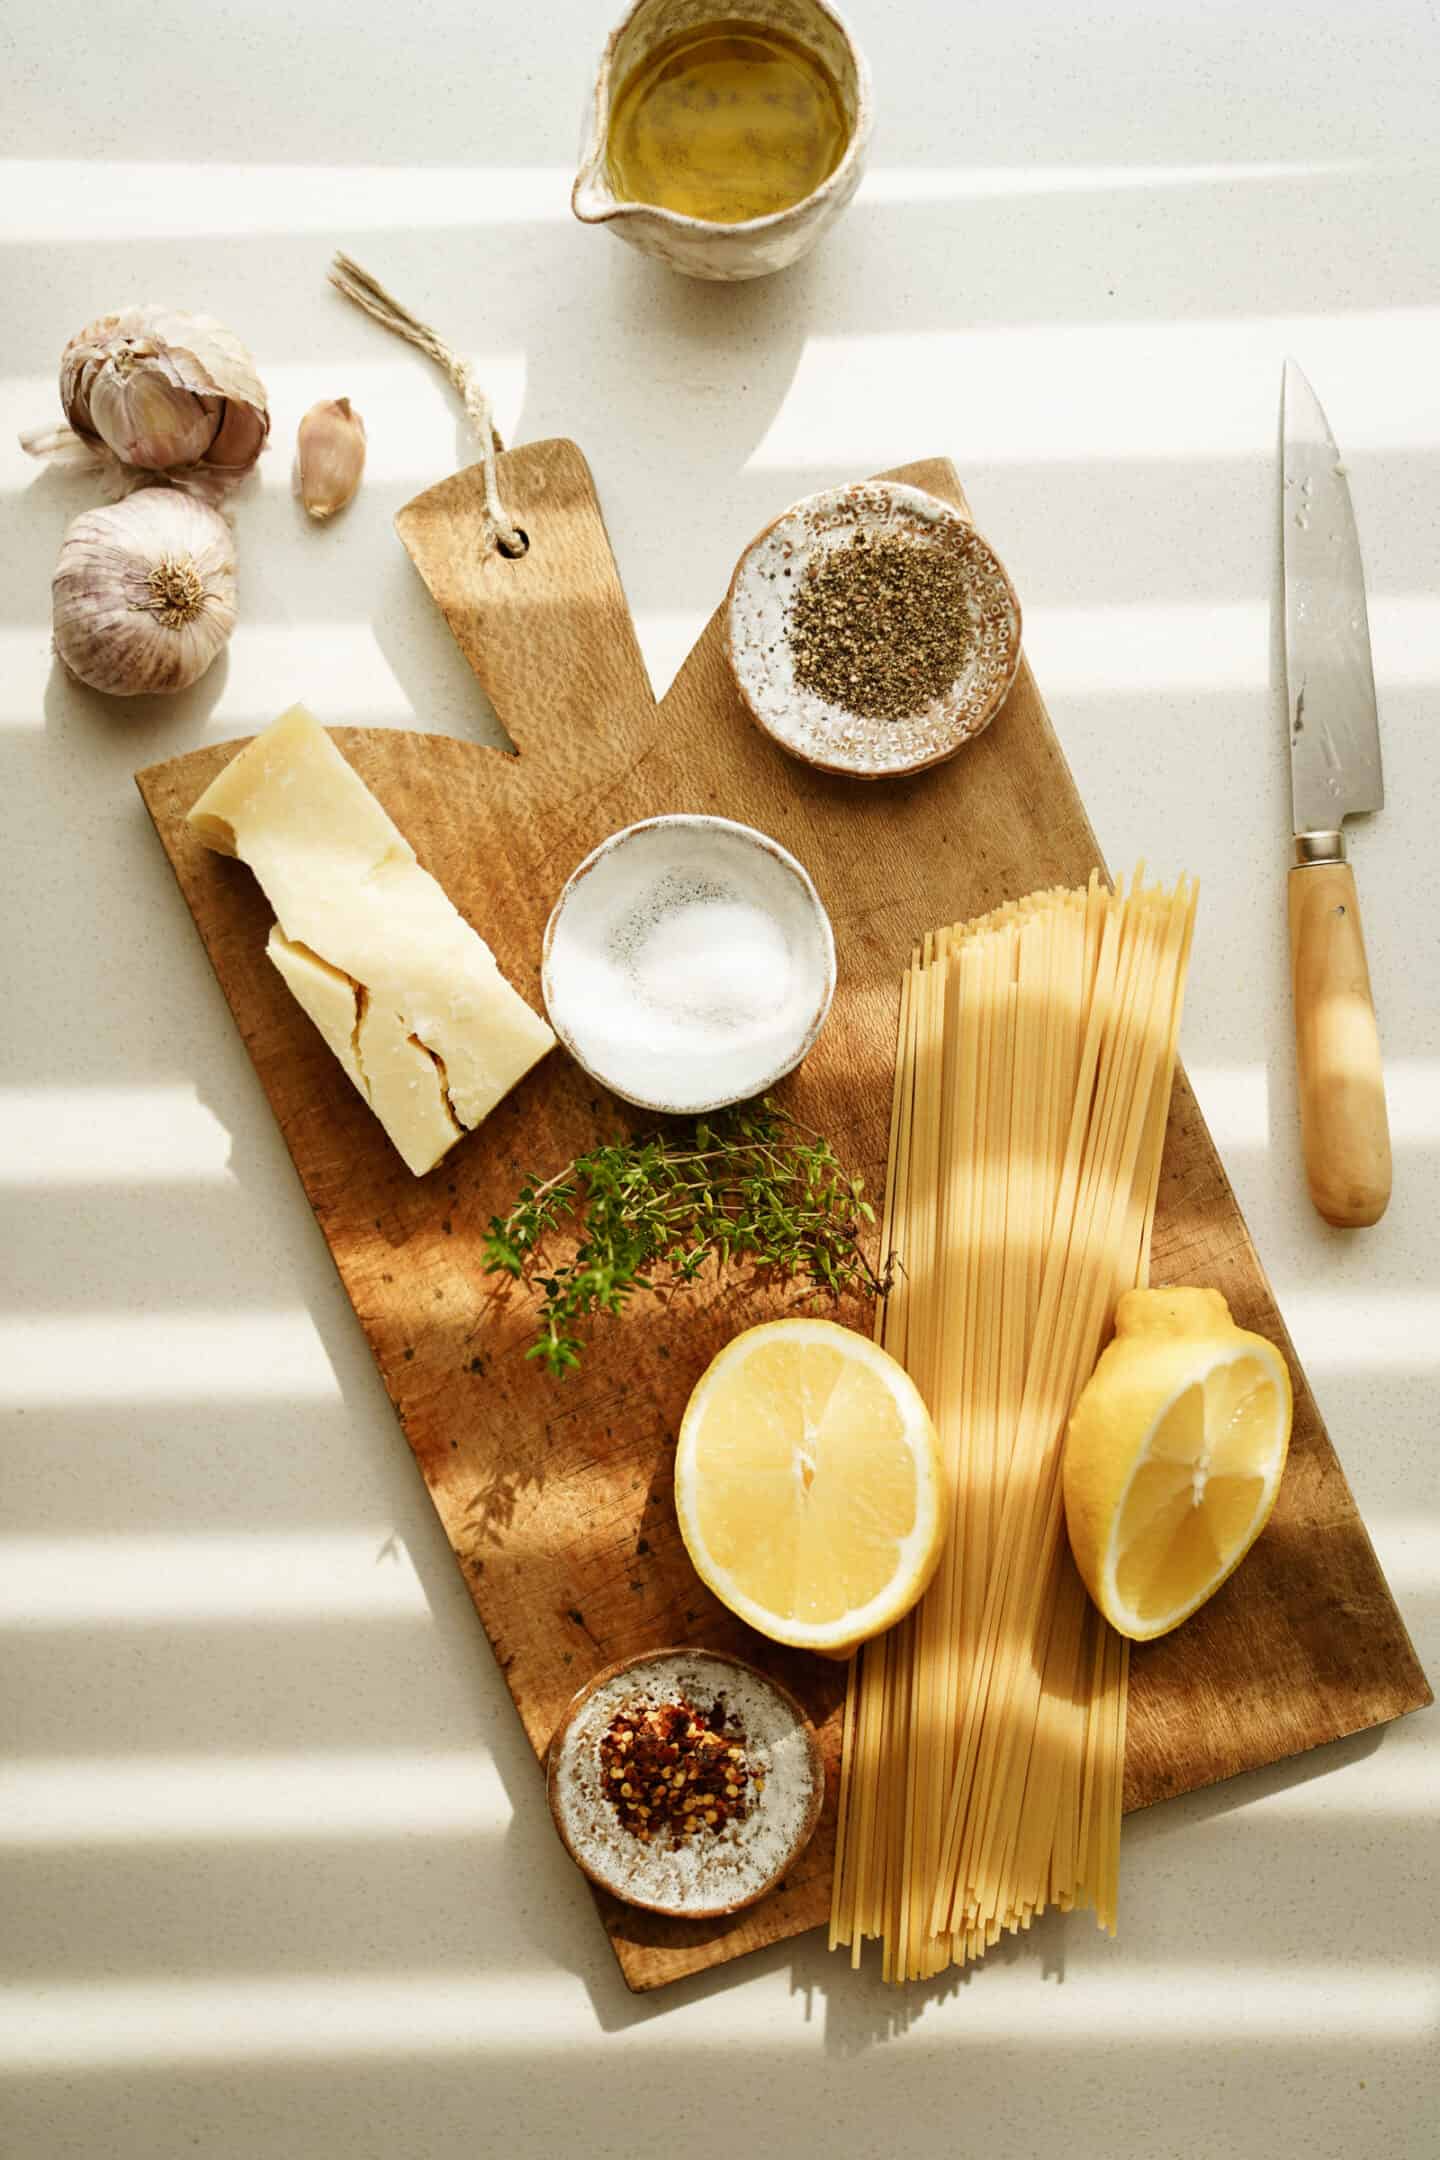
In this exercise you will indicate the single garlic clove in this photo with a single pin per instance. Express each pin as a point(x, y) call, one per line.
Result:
point(239, 439)
point(144, 593)
point(330, 456)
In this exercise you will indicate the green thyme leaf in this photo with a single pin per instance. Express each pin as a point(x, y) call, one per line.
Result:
point(750, 1185)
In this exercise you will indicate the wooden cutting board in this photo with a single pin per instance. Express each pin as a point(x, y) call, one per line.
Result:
point(557, 1497)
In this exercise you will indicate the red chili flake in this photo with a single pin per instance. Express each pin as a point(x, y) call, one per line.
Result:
point(676, 1770)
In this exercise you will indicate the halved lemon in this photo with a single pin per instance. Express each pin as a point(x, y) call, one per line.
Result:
point(809, 1486)
point(1173, 1458)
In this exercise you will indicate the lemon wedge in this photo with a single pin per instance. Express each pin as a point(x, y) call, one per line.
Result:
point(808, 1484)
point(1173, 1457)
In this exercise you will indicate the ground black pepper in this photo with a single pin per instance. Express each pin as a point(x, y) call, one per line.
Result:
point(882, 626)
point(674, 1770)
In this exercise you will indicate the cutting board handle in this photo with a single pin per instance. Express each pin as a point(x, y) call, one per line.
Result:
point(549, 632)
point(1344, 1129)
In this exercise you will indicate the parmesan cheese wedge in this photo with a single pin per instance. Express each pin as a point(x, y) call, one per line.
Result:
point(331, 999)
point(404, 991)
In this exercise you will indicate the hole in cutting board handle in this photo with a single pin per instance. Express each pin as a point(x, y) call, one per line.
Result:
point(513, 554)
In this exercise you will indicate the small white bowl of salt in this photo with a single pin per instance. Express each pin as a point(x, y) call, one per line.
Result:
point(689, 964)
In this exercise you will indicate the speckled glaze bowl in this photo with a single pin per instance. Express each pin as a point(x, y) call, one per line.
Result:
point(688, 964)
point(706, 1877)
point(811, 727)
point(694, 245)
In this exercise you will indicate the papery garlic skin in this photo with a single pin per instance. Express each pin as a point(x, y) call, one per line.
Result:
point(144, 593)
point(330, 456)
point(165, 392)
point(150, 421)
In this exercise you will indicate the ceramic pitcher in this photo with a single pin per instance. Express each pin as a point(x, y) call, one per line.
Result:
point(695, 245)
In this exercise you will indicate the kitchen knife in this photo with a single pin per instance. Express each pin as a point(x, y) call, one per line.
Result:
point(1334, 772)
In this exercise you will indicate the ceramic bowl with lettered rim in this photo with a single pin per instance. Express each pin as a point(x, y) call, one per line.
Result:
point(688, 964)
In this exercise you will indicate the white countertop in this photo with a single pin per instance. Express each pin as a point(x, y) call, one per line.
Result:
point(279, 1881)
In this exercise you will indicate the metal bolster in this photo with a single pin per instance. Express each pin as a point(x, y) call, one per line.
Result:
point(1312, 848)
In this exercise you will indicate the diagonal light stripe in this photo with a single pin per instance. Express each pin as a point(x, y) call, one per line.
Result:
point(1350, 1330)
point(1210, 646)
point(48, 1360)
point(64, 201)
point(55, 1136)
point(338, 668)
point(59, 201)
point(1075, 651)
point(204, 1576)
point(111, 1801)
point(1236, 1102)
point(1042, 394)
point(511, 2016)
point(105, 1802)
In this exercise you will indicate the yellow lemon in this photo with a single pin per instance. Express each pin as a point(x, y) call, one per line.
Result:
point(809, 1486)
point(1173, 1457)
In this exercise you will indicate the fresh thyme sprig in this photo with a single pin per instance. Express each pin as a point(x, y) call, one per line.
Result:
point(750, 1185)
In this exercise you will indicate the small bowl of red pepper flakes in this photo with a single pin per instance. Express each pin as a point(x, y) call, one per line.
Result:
point(685, 1782)
point(677, 1769)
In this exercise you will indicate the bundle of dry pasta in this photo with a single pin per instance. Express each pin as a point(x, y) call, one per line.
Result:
point(984, 1736)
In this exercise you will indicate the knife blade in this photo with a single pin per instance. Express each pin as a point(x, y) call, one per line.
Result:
point(1335, 773)
point(1334, 728)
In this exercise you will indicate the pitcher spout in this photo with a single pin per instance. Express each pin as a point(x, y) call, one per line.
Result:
point(592, 198)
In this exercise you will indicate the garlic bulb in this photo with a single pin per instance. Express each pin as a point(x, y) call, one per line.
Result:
point(144, 593)
point(162, 392)
point(330, 456)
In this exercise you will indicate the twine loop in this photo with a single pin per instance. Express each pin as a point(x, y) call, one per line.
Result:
point(356, 284)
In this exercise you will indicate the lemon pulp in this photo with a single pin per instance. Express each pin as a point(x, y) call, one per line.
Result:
point(1173, 1457)
point(808, 1484)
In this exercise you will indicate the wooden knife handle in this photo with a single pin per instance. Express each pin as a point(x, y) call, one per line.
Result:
point(1343, 1126)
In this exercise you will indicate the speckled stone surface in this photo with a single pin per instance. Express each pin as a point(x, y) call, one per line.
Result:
point(280, 1881)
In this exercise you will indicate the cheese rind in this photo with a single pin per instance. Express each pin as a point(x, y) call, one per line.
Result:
point(447, 1035)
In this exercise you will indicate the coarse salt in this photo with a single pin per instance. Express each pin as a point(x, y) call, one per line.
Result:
point(689, 963)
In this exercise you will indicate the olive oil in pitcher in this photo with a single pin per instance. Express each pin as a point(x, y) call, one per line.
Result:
point(727, 121)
